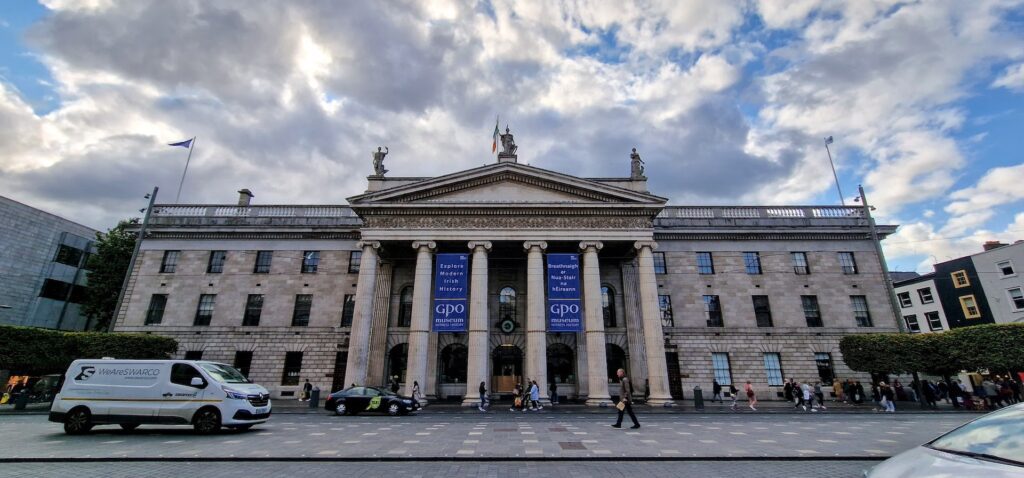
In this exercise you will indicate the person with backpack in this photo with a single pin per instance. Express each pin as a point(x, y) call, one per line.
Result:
point(484, 399)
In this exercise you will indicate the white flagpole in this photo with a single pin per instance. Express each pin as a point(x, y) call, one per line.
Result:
point(834, 175)
point(190, 146)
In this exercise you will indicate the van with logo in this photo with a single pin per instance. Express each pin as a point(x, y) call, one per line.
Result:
point(129, 393)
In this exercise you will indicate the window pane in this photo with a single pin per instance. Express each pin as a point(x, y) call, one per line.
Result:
point(303, 306)
point(860, 310)
point(762, 311)
point(348, 307)
point(243, 361)
point(934, 322)
point(960, 279)
point(720, 364)
point(665, 304)
point(713, 311)
point(155, 313)
point(253, 310)
point(608, 306)
point(310, 261)
point(904, 298)
point(912, 324)
point(773, 369)
point(216, 264)
point(170, 262)
point(292, 368)
point(1005, 268)
point(68, 255)
point(204, 311)
point(811, 311)
point(659, 263)
point(800, 263)
point(194, 355)
point(1016, 298)
point(825, 370)
point(405, 307)
point(847, 263)
point(925, 295)
point(752, 262)
point(263, 259)
point(705, 263)
point(353, 261)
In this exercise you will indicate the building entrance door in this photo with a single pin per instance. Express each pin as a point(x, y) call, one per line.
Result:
point(340, 360)
point(508, 368)
point(675, 381)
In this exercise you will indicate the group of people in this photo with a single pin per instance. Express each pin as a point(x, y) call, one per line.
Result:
point(523, 397)
point(748, 390)
point(807, 395)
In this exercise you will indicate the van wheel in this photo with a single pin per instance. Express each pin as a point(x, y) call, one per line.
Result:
point(78, 421)
point(393, 409)
point(206, 421)
point(129, 426)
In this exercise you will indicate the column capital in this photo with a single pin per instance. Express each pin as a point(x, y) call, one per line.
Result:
point(365, 244)
point(473, 245)
point(528, 245)
point(430, 245)
point(642, 244)
point(597, 245)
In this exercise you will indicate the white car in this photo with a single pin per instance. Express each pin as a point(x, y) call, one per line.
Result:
point(990, 447)
point(129, 393)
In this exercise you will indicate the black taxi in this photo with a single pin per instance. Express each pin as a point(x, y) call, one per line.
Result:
point(354, 400)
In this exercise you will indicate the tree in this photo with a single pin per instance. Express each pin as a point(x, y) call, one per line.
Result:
point(107, 270)
point(35, 351)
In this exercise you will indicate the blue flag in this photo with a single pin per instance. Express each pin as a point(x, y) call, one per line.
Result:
point(184, 144)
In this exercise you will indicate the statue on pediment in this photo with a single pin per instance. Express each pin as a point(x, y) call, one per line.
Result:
point(508, 144)
point(378, 161)
point(636, 166)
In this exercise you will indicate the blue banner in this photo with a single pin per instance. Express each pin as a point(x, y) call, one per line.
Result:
point(451, 310)
point(564, 311)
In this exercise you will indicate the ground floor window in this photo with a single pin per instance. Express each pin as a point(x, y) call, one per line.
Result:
point(561, 364)
point(616, 359)
point(398, 360)
point(292, 368)
point(454, 359)
point(194, 355)
point(243, 361)
point(773, 369)
point(720, 364)
point(825, 370)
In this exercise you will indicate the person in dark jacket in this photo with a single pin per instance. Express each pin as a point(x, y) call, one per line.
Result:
point(716, 391)
point(484, 401)
point(553, 392)
point(625, 401)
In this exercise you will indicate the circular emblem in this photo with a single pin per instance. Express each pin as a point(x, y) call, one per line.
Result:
point(507, 326)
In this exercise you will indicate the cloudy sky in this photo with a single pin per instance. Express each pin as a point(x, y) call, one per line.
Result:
point(726, 102)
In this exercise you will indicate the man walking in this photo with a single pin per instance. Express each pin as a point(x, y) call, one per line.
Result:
point(625, 404)
point(716, 390)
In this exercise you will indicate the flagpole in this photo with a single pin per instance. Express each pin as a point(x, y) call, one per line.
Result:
point(190, 146)
point(834, 175)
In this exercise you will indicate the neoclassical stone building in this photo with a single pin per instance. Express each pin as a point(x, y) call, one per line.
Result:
point(676, 295)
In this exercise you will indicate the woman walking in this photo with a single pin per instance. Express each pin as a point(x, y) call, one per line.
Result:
point(751, 397)
point(734, 395)
point(484, 401)
point(416, 390)
point(535, 396)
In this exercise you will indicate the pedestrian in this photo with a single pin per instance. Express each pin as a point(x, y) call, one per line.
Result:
point(647, 389)
point(517, 398)
point(798, 395)
point(808, 396)
point(484, 399)
point(625, 401)
point(820, 395)
point(943, 388)
point(838, 394)
point(416, 390)
point(888, 397)
point(716, 390)
point(306, 388)
point(553, 392)
point(858, 392)
point(1015, 387)
point(535, 396)
point(394, 384)
point(751, 397)
point(787, 390)
point(929, 392)
point(734, 394)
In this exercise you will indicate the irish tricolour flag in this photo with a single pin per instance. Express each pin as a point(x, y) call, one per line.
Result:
point(494, 143)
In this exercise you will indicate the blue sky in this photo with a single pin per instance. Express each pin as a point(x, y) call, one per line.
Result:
point(727, 102)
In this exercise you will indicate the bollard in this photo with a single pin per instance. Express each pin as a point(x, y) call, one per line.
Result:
point(21, 400)
point(698, 398)
point(314, 397)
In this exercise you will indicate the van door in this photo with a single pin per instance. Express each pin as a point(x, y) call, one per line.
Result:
point(135, 390)
point(181, 399)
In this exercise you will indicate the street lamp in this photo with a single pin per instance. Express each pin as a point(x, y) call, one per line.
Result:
point(135, 254)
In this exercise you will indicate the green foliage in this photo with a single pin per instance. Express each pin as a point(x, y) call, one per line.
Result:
point(984, 347)
point(27, 350)
point(107, 270)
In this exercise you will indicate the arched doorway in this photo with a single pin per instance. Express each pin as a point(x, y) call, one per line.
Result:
point(398, 360)
point(561, 364)
point(616, 359)
point(452, 361)
point(508, 368)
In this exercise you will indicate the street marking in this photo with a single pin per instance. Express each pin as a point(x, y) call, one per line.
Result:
point(230, 442)
point(588, 441)
point(807, 451)
point(397, 452)
point(876, 452)
point(767, 441)
point(670, 452)
point(601, 452)
point(529, 441)
point(112, 442)
point(328, 452)
point(317, 434)
point(470, 442)
point(887, 441)
point(292, 442)
point(534, 452)
point(422, 433)
point(171, 442)
point(790, 433)
point(369, 434)
point(527, 433)
point(350, 442)
point(476, 433)
point(579, 433)
point(828, 441)
point(737, 433)
point(465, 452)
point(411, 441)
point(707, 441)
point(684, 433)
point(894, 433)
point(648, 441)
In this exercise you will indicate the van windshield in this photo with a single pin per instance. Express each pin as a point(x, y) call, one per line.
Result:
point(223, 373)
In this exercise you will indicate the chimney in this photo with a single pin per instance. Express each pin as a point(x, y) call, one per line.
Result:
point(989, 245)
point(245, 197)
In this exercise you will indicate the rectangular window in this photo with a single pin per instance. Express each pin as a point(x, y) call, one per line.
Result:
point(303, 306)
point(659, 263)
point(752, 262)
point(665, 304)
point(912, 324)
point(705, 263)
point(263, 259)
point(905, 301)
point(216, 264)
point(713, 311)
point(925, 295)
point(825, 370)
point(934, 322)
point(800, 263)
point(243, 361)
point(847, 263)
point(253, 310)
point(762, 311)
point(68, 255)
point(194, 355)
point(970, 307)
point(170, 262)
point(720, 364)
point(960, 279)
point(1005, 268)
point(155, 312)
point(354, 257)
point(204, 311)
point(811, 310)
point(1016, 298)
point(292, 368)
point(860, 310)
point(348, 307)
point(55, 289)
point(310, 261)
point(773, 369)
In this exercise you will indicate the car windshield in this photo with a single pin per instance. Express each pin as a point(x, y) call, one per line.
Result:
point(223, 373)
point(997, 435)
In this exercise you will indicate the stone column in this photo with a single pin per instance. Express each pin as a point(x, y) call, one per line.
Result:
point(376, 361)
point(654, 337)
point(536, 339)
point(634, 322)
point(478, 368)
point(359, 340)
point(597, 373)
point(419, 326)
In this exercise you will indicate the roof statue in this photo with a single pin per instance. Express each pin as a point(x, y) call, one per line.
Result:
point(636, 166)
point(378, 161)
point(508, 144)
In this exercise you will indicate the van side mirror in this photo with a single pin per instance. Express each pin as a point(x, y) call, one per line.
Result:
point(198, 382)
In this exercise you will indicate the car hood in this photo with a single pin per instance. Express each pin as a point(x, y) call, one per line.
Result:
point(247, 388)
point(926, 462)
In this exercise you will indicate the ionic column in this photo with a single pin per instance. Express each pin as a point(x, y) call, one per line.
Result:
point(479, 357)
point(536, 340)
point(597, 373)
point(419, 326)
point(654, 337)
point(359, 340)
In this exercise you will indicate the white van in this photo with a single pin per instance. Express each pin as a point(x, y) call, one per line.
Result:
point(129, 393)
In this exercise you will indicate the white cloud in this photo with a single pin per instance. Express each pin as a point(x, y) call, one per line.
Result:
point(1012, 78)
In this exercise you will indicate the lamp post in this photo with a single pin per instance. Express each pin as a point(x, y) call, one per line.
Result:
point(135, 255)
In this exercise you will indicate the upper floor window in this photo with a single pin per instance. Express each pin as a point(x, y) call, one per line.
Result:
point(860, 310)
point(204, 310)
point(216, 263)
point(1005, 268)
point(665, 305)
point(608, 306)
point(762, 311)
point(912, 324)
point(155, 312)
point(68, 255)
point(925, 295)
point(904, 298)
point(713, 311)
point(970, 307)
point(310, 261)
point(303, 307)
point(960, 279)
point(800, 263)
point(263, 259)
point(812, 313)
point(1016, 298)
point(934, 322)
point(659, 263)
point(253, 310)
point(705, 263)
point(848, 263)
point(405, 307)
point(354, 257)
point(170, 261)
point(752, 262)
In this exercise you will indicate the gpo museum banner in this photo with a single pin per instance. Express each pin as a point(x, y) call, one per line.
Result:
point(564, 310)
point(451, 309)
